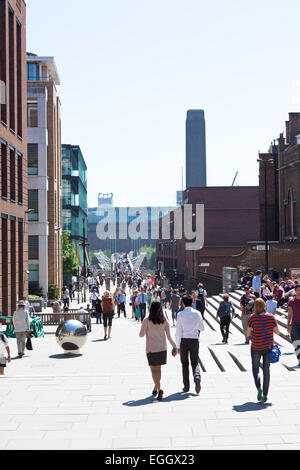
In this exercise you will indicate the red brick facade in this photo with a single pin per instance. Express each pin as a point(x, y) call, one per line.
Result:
point(231, 217)
point(13, 153)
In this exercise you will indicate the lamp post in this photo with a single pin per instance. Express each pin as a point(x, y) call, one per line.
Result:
point(84, 245)
point(265, 163)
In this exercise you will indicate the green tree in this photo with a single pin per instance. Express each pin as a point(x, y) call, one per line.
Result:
point(150, 258)
point(70, 260)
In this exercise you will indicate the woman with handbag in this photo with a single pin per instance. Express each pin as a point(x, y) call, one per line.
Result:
point(157, 330)
point(261, 329)
point(108, 314)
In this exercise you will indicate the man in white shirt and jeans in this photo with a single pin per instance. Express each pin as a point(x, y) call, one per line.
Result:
point(21, 323)
point(189, 326)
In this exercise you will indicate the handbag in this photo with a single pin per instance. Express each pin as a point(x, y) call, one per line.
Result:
point(275, 352)
point(29, 344)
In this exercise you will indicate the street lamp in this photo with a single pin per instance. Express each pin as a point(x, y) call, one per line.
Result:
point(84, 245)
point(265, 163)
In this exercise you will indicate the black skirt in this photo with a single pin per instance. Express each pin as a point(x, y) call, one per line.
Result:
point(157, 359)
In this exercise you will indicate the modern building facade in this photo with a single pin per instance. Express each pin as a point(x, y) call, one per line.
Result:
point(74, 197)
point(13, 164)
point(195, 149)
point(44, 174)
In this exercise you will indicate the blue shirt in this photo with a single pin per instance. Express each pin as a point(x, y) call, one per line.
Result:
point(121, 298)
point(256, 283)
point(142, 298)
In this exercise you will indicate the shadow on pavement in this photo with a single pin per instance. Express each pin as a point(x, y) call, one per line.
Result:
point(98, 341)
point(251, 406)
point(65, 356)
point(149, 400)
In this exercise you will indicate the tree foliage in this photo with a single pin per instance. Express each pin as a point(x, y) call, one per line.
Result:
point(70, 260)
point(150, 258)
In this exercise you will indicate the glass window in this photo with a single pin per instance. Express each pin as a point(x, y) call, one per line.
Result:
point(33, 277)
point(32, 72)
point(33, 203)
point(33, 159)
point(33, 243)
point(32, 114)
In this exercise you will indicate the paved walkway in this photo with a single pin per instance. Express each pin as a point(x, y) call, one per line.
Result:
point(101, 400)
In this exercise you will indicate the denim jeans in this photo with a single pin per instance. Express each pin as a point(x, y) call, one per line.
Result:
point(296, 340)
point(256, 357)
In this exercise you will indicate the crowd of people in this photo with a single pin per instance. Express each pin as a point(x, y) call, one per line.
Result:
point(156, 308)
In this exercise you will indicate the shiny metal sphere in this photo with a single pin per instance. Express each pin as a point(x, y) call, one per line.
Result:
point(71, 336)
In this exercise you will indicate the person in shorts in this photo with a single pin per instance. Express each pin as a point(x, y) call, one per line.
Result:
point(174, 305)
point(4, 348)
point(108, 313)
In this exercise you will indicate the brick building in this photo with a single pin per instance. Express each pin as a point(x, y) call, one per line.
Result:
point(280, 175)
point(44, 174)
point(231, 217)
point(13, 165)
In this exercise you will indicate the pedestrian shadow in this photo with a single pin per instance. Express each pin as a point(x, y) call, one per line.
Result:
point(150, 400)
point(98, 341)
point(251, 406)
point(65, 356)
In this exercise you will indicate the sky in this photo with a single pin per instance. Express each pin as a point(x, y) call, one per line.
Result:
point(130, 70)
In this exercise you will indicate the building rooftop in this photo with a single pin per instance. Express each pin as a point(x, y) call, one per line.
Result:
point(45, 62)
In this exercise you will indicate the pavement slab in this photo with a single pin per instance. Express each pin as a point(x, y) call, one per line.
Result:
point(102, 399)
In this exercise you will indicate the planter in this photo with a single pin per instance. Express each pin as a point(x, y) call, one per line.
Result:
point(37, 304)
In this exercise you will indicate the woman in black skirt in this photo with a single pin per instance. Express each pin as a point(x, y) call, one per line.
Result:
point(157, 329)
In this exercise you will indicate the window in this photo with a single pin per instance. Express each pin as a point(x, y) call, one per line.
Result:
point(33, 243)
point(12, 97)
point(3, 61)
point(32, 72)
point(3, 170)
point(12, 175)
point(19, 80)
point(32, 113)
point(20, 179)
point(33, 277)
point(33, 203)
point(33, 159)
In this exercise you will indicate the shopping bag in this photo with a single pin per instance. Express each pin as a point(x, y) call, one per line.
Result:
point(29, 344)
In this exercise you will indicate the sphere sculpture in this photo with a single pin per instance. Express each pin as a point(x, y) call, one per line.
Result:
point(71, 336)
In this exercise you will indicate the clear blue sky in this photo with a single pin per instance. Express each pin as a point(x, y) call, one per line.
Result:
point(130, 69)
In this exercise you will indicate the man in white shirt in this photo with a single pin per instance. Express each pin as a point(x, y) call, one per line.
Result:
point(21, 323)
point(189, 326)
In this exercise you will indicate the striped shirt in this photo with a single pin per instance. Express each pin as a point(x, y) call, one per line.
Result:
point(259, 341)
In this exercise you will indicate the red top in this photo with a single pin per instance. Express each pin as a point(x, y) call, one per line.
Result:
point(295, 305)
point(107, 306)
point(259, 341)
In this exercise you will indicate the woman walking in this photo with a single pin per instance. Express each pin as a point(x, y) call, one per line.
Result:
point(261, 329)
point(225, 313)
point(156, 329)
point(108, 314)
point(98, 309)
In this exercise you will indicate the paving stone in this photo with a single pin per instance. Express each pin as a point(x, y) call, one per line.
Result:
point(38, 445)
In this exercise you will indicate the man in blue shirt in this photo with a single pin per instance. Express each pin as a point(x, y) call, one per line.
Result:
point(121, 301)
point(256, 284)
point(142, 303)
